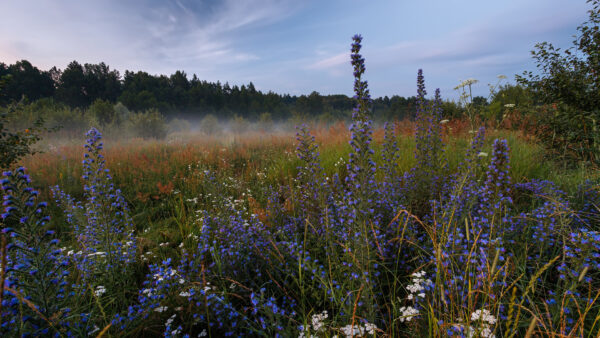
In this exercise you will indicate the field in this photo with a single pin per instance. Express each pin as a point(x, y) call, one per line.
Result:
point(417, 228)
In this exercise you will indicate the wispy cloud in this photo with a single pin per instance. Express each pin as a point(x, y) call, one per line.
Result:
point(160, 35)
point(331, 63)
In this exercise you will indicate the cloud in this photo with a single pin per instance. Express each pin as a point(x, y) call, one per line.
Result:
point(156, 35)
point(330, 62)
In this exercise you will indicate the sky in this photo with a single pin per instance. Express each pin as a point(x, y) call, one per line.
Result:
point(294, 46)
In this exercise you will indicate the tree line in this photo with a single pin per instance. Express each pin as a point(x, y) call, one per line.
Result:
point(79, 86)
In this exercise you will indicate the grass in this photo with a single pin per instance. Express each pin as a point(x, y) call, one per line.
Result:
point(166, 165)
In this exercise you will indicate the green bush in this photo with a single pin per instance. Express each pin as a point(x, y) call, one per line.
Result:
point(210, 125)
point(568, 84)
point(103, 111)
point(265, 122)
point(16, 144)
point(148, 124)
point(239, 124)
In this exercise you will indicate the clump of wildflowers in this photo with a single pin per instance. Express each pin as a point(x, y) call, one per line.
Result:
point(311, 183)
point(361, 168)
point(358, 330)
point(429, 174)
point(391, 187)
point(102, 225)
point(35, 299)
point(105, 247)
point(496, 194)
point(484, 323)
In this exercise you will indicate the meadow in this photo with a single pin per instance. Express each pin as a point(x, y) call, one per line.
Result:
point(419, 228)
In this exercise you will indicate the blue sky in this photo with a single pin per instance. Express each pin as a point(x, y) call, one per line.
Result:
point(294, 46)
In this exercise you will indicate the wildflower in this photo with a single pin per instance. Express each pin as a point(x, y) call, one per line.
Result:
point(358, 330)
point(100, 290)
point(318, 320)
point(465, 83)
point(408, 312)
point(97, 253)
point(170, 320)
point(161, 309)
point(483, 315)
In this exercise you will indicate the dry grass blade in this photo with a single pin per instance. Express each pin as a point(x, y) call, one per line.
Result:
point(104, 330)
point(531, 328)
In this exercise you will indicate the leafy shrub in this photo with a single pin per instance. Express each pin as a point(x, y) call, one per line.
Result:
point(239, 124)
point(16, 144)
point(569, 86)
point(178, 125)
point(209, 125)
point(149, 124)
point(265, 122)
point(122, 113)
point(103, 111)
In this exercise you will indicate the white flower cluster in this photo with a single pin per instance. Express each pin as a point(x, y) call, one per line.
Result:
point(466, 83)
point(318, 323)
point(100, 290)
point(318, 320)
point(408, 312)
point(483, 315)
point(170, 320)
point(340, 162)
point(487, 320)
point(97, 253)
point(168, 324)
point(301, 335)
point(418, 285)
point(161, 309)
point(416, 290)
point(209, 287)
point(485, 329)
point(358, 330)
point(148, 254)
